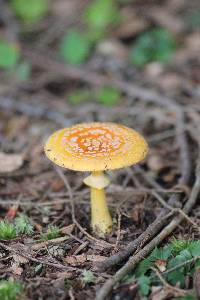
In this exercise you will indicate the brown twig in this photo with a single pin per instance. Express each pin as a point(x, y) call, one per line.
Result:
point(118, 229)
point(31, 258)
point(44, 244)
point(175, 210)
point(183, 264)
point(175, 290)
point(137, 244)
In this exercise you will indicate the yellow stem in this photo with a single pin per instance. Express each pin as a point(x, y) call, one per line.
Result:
point(101, 219)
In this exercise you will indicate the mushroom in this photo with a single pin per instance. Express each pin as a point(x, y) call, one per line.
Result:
point(96, 147)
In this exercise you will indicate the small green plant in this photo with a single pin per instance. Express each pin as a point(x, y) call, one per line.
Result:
point(9, 54)
point(179, 245)
point(187, 297)
point(79, 96)
point(30, 11)
point(22, 71)
point(7, 231)
point(87, 277)
point(144, 285)
point(52, 233)
point(154, 45)
point(175, 261)
point(75, 47)
point(22, 225)
point(10, 290)
point(99, 15)
point(108, 96)
point(105, 95)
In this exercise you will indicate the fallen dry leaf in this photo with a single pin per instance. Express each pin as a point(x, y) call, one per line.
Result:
point(161, 264)
point(75, 260)
point(20, 259)
point(16, 269)
point(10, 162)
point(65, 9)
point(165, 18)
point(135, 213)
point(192, 42)
point(132, 24)
point(57, 185)
point(68, 229)
point(112, 48)
point(49, 242)
point(60, 275)
point(12, 212)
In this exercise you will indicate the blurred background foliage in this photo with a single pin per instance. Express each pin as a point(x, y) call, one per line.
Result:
point(105, 27)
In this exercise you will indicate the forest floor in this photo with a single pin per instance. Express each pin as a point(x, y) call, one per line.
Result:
point(152, 204)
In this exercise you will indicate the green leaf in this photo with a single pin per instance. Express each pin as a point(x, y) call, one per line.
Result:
point(30, 11)
point(7, 231)
point(52, 233)
point(79, 96)
point(101, 13)
point(154, 45)
point(9, 55)
point(161, 253)
point(10, 290)
point(179, 245)
point(197, 264)
point(98, 16)
point(178, 276)
point(68, 283)
point(187, 297)
point(22, 225)
point(87, 277)
point(158, 253)
point(144, 285)
point(194, 248)
point(108, 96)
point(139, 57)
point(143, 267)
point(23, 71)
point(75, 47)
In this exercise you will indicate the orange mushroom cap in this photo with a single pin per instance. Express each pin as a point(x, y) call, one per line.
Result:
point(96, 147)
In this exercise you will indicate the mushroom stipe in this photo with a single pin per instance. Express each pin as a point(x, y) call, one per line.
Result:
point(96, 147)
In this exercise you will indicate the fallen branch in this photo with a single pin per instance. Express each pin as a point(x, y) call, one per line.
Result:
point(137, 244)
